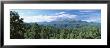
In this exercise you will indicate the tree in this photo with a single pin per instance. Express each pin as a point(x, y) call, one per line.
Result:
point(16, 26)
point(33, 32)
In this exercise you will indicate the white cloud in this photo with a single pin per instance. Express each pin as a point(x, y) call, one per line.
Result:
point(62, 13)
point(67, 16)
point(21, 13)
point(93, 19)
point(38, 18)
point(86, 11)
point(44, 18)
point(59, 13)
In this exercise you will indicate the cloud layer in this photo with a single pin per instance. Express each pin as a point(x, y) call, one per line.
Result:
point(59, 15)
point(45, 18)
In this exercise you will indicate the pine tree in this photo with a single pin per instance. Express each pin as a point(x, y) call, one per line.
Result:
point(16, 26)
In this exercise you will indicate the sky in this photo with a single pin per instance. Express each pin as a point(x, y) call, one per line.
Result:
point(48, 15)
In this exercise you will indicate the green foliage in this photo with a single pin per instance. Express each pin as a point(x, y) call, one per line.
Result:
point(32, 32)
point(19, 29)
point(16, 26)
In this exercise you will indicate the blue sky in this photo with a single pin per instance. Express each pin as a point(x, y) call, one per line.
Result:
point(48, 15)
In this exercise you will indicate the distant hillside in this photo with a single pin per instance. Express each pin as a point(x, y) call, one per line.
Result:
point(69, 24)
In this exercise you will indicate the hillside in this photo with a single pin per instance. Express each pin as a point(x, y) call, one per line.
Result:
point(70, 24)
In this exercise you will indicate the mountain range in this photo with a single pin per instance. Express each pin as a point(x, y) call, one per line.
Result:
point(69, 23)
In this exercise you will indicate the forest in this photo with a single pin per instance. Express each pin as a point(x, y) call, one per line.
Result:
point(53, 30)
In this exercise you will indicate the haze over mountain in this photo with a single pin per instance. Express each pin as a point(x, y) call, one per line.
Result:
point(88, 15)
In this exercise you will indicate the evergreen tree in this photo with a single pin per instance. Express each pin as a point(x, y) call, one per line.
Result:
point(16, 26)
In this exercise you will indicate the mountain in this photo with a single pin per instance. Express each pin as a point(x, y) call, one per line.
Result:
point(69, 24)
